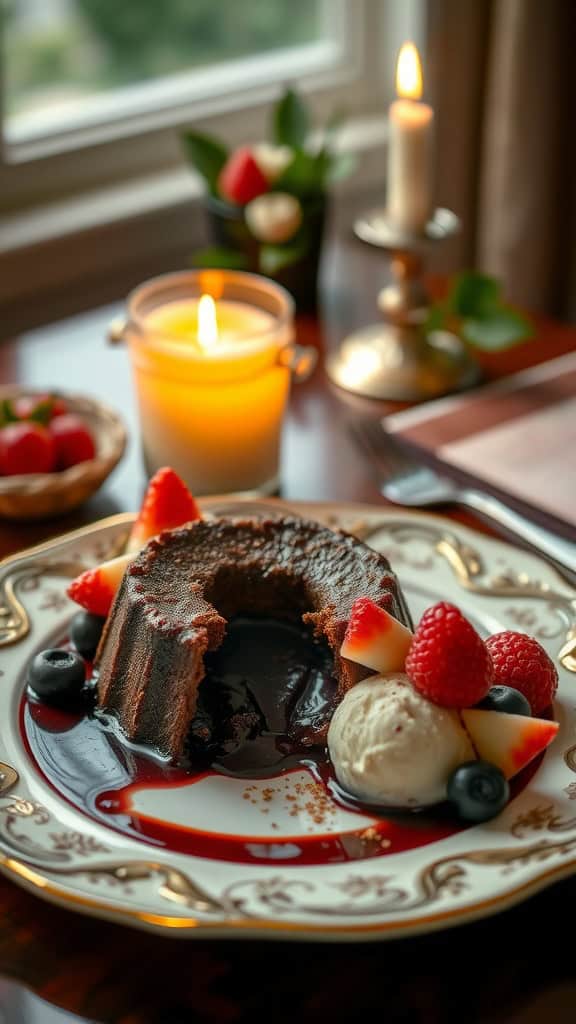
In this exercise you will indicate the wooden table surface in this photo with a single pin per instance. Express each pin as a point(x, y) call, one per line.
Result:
point(518, 967)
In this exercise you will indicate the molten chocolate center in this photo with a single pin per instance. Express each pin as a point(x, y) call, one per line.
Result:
point(269, 690)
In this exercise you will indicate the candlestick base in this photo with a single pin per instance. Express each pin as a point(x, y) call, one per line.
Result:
point(400, 364)
point(397, 359)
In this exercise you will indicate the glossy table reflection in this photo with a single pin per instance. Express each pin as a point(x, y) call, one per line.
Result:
point(517, 968)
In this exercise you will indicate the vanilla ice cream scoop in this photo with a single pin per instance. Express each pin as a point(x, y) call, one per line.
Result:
point(389, 745)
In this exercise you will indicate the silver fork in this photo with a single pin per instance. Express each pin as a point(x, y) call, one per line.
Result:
point(405, 482)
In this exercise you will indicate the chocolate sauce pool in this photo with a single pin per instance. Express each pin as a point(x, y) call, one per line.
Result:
point(263, 707)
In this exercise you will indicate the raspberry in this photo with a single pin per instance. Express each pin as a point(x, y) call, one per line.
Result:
point(447, 661)
point(521, 662)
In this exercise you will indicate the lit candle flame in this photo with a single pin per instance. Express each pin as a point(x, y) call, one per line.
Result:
point(207, 322)
point(409, 73)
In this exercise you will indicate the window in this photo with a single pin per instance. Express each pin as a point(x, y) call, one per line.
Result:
point(82, 72)
point(70, 63)
point(93, 94)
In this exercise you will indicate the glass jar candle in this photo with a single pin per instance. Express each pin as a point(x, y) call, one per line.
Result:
point(212, 354)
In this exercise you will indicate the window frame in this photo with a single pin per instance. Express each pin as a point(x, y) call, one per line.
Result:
point(102, 197)
point(144, 141)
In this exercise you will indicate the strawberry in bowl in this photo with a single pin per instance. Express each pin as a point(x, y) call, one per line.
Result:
point(55, 451)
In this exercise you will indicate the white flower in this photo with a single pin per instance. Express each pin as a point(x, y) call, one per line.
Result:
point(273, 217)
point(272, 160)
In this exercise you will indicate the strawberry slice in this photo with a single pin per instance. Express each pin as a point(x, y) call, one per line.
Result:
point(95, 588)
point(375, 639)
point(241, 179)
point(167, 504)
point(508, 741)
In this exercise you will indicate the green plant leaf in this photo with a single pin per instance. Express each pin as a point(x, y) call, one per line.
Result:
point(304, 176)
point(328, 162)
point(42, 414)
point(219, 257)
point(340, 166)
point(7, 414)
point(274, 258)
point(473, 294)
point(500, 329)
point(206, 154)
point(474, 310)
point(333, 126)
point(320, 166)
point(436, 319)
point(291, 121)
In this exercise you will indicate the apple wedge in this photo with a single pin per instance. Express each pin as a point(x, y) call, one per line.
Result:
point(167, 504)
point(375, 639)
point(95, 588)
point(508, 741)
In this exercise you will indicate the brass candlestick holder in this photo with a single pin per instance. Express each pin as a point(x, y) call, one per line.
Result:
point(395, 359)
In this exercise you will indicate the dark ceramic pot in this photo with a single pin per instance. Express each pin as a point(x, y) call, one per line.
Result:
point(228, 229)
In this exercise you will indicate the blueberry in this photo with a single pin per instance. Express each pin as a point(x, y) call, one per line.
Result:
point(85, 633)
point(505, 698)
point(478, 790)
point(57, 676)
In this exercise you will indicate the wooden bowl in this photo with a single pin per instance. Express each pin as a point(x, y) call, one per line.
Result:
point(43, 495)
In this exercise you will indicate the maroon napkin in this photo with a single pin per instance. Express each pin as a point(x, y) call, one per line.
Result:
point(515, 438)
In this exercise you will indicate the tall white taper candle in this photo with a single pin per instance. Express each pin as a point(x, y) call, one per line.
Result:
point(410, 170)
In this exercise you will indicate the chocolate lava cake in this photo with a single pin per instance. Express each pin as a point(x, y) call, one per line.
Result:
point(180, 592)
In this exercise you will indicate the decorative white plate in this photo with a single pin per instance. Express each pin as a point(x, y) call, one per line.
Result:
point(65, 855)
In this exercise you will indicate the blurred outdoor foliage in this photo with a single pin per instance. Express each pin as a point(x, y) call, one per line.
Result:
point(87, 46)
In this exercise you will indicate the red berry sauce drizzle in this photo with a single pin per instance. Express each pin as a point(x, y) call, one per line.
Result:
point(290, 689)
